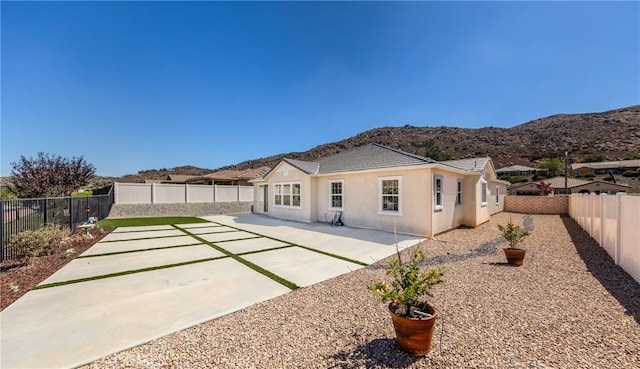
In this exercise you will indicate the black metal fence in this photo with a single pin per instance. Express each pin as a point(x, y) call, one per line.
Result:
point(20, 215)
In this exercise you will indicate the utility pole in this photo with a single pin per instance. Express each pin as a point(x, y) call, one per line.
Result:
point(566, 170)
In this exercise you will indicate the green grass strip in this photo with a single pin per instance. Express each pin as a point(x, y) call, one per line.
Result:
point(137, 222)
point(141, 239)
point(132, 251)
point(304, 247)
point(247, 263)
point(140, 230)
point(241, 239)
point(265, 250)
point(127, 272)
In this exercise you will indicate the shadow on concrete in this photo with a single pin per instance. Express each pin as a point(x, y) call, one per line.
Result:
point(379, 353)
point(612, 277)
point(369, 235)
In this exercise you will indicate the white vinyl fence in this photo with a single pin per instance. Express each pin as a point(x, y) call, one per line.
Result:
point(165, 193)
point(614, 222)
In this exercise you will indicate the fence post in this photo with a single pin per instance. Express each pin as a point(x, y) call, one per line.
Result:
point(601, 235)
point(70, 204)
point(186, 193)
point(45, 210)
point(618, 227)
point(153, 191)
point(2, 255)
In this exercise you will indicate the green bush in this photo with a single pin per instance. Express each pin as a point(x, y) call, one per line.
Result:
point(30, 244)
point(631, 173)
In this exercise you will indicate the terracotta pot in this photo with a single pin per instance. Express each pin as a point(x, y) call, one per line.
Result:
point(514, 256)
point(414, 335)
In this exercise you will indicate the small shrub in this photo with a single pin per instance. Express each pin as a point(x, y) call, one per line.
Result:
point(15, 287)
point(67, 253)
point(513, 234)
point(631, 173)
point(30, 244)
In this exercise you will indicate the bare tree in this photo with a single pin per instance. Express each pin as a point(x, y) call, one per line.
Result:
point(50, 175)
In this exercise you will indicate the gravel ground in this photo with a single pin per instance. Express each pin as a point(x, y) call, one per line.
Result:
point(568, 306)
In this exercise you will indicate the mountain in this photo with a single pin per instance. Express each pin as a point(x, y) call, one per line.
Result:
point(613, 134)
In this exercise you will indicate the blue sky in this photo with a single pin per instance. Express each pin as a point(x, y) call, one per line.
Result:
point(147, 85)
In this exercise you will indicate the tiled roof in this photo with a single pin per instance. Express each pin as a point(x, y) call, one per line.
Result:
point(179, 177)
point(308, 167)
point(608, 164)
point(239, 174)
point(372, 156)
point(471, 165)
point(558, 182)
point(516, 168)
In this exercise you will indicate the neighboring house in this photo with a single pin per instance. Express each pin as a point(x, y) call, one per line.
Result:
point(231, 177)
point(616, 167)
point(574, 185)
point(177, 178)
point(378, 187)
point(519, 171)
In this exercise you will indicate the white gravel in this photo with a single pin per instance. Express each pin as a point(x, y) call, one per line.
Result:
point(568, 306)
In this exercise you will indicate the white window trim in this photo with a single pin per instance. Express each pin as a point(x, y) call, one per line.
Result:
point(436, 206)
point(459, 187)
point(331, 207)
point(282, 195)
point(387, 212)
point(483, 193)
point(497, 194)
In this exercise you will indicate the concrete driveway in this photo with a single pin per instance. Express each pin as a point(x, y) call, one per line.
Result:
point(141, 283)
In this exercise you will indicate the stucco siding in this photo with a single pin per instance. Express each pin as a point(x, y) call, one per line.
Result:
point(284, 174)
point(361, 200)
point(450, 215)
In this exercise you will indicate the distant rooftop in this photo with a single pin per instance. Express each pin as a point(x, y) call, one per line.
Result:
point(516, 168)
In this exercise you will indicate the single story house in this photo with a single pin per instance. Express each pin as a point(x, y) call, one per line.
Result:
point(616, 167)
point(378, 187)
point(177, 178)
point(230, 177)
point(519, 171)
point(574, 185)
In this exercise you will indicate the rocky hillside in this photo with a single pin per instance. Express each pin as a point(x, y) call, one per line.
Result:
point(613, 134)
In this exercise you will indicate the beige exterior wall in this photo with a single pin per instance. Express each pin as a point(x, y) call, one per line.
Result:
point(451, 215)
point(537, 204)
point(285, 173)
point(361, 200)
point(498, 193)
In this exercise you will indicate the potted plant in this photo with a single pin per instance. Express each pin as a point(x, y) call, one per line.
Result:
point(413, 317)
point(515, 236)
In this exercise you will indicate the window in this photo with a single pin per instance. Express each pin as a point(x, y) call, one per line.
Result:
point(295, 197)
point(335, 190)
point(459, 193)
point(497, 195)
point(437, 192)
point(390, 195)
point(278, 195)
point(484, 193)
point(287, 194)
